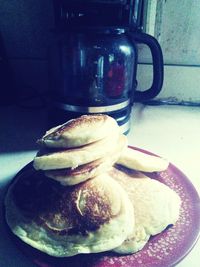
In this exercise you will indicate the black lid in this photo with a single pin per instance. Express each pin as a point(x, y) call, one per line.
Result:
point(97, 14)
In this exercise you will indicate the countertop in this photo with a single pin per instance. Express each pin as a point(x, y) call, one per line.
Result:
point(169, 131)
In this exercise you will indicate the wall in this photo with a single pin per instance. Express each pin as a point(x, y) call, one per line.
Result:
point(175, 24)
point(25, 27)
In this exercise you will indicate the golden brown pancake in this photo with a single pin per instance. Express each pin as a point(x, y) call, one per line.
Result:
point(81, 131)
point(136, 160)
point(72, 158)
point(87, 171)
point(155, 206)
point(83, 172)
point(62, 221)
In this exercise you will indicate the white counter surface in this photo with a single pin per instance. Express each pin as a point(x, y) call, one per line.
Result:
point(169, 131)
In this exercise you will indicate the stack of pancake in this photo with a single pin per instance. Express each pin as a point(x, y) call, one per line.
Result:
point(76, 200)
point(80, 149)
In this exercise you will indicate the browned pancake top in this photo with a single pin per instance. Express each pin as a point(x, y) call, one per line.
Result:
point(62, 209)
point(85, 120)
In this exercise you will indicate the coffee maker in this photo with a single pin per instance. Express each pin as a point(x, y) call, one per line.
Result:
point(93, 60)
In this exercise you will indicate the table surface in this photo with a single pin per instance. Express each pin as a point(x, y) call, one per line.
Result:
point(169, 131)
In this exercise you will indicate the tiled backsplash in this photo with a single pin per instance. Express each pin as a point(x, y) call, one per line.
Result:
point(26, 30)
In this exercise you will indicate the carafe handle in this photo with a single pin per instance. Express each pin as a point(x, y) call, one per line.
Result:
point(158, 69)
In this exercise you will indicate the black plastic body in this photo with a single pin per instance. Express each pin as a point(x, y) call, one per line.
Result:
point(89, 13)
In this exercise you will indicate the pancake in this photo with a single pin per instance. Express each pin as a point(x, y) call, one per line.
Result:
point(83, 172)
point(134, 159)
point(62, 221)
point(155, 205)
point(87, 171)
point(81, 131)
point(72, 158)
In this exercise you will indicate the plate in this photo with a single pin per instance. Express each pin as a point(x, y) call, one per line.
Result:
point(165, 249)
